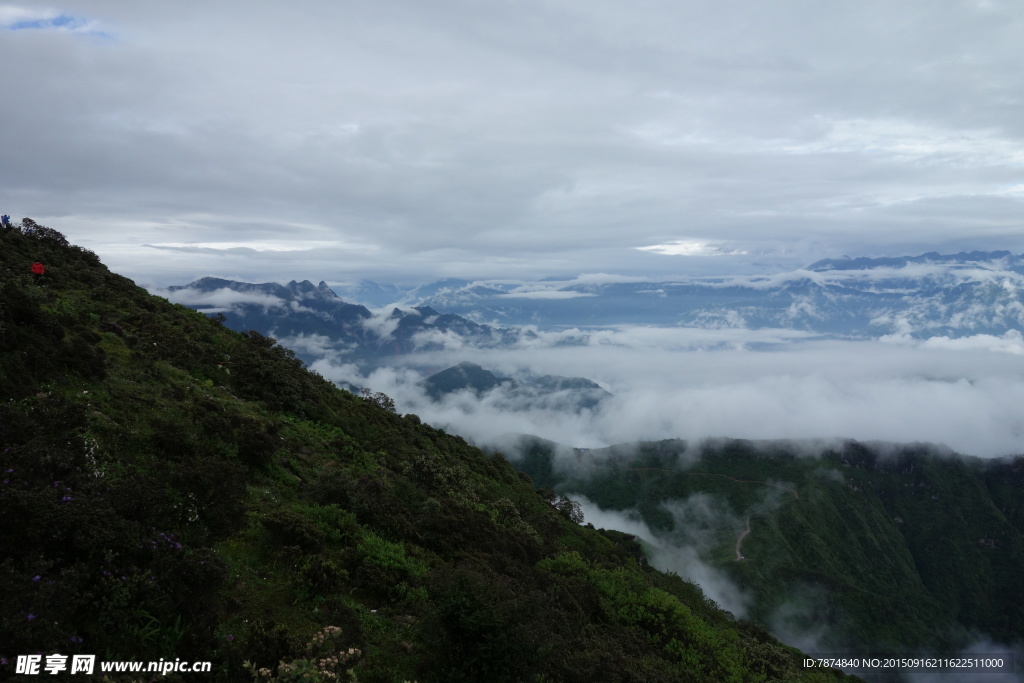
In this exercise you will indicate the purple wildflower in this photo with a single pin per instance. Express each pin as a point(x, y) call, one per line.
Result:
point(31, 616)
point(36, 577)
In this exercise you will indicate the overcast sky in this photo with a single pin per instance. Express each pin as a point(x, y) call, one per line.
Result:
point(405, 140)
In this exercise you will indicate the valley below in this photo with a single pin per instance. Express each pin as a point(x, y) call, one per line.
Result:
point(849, 478)
point(847, 547)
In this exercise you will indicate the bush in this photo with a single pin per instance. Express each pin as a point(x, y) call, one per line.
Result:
point(289, 528)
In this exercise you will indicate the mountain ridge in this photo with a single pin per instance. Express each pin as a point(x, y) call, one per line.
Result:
point(929, 295)
point(303, 310)
point(931, 257)
point(177, 490)
point(911, 297)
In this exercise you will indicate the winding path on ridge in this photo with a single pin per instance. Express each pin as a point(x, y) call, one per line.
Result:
point(739, 541)
point(641, 470)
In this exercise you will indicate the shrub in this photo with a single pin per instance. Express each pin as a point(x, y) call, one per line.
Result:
point(289, 528)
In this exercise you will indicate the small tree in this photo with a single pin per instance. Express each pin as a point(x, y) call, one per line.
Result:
point(570, 508)
point(379, 399)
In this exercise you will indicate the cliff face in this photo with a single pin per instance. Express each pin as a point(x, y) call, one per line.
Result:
point(174, 489)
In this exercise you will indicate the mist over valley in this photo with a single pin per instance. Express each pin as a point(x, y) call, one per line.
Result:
point(917, 349)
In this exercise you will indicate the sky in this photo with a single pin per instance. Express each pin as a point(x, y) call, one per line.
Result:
point(406, 141)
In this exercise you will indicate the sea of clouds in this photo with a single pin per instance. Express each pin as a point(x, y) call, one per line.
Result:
point(693, 384)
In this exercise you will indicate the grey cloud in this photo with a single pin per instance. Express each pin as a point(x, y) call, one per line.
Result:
point(188, 249)
point(516, 138)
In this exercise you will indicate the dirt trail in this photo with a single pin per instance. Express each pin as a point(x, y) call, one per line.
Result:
point(739, 541)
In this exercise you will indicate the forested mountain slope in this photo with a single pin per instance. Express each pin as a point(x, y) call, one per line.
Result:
point(865, 547)
point(175, 489)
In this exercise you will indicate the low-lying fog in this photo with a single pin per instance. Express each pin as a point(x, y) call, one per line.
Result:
point(966, 393)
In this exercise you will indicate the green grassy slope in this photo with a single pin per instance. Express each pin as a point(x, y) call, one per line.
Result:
point(173, 489)
point(907, 551)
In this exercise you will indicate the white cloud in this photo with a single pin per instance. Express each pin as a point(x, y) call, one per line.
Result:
point(607, 278)
point(533, 293)
point(449, 340)
point(904, 140)
point(690, 248)
point(383, 323)
point(1009, 342)
point(316, 345)
point(696, 384)
point(12, 14)
point(223, 299)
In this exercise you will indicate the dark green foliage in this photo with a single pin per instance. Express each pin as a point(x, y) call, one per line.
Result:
point(264, 371)
point(484, 630)
point(322, 576)
point(879, 551)
point(288, 528)
point(174, 489)
point(256, 447)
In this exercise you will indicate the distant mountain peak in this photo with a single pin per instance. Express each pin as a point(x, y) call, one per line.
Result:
point(300, 308)
point(293, 291)
point(867, 262)
point(459, 377)
point(546, 391)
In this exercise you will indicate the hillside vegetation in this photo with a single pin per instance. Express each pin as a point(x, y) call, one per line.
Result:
point(174, 489)
point(865, 547)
